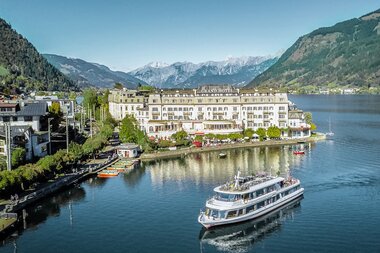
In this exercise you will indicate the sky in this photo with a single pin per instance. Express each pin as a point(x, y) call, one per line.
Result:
point(125, 35)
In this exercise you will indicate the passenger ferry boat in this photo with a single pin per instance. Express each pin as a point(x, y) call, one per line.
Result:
point(247, 198)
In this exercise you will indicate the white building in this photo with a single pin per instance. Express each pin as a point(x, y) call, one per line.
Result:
point(25, 120)
point(209, 109)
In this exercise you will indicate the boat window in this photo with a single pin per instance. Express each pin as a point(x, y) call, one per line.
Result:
point(227, 197)
point(214, 213)
point(261, 204)
point(231, 214)
point(259, 192)
point(222, 214)
point(240, 212)
point(250, 209)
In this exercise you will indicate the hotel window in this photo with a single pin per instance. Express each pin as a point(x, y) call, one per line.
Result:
point(155, 117)
point(225, 108)
point(260, 108)
point(235, 109)
point(154, 101)
point(164, 115)
point(255, 108)
point(220, 109)
point(282, 108)
point(235, 117)
point(170, 109)
point(164, 109)
point(170, 117)
point(214, 109)
point(154, 109)
point(199, 109)
point(199, 100)
point(281, 116)
point(175, 109)
point(208, 109)
point(180, 109)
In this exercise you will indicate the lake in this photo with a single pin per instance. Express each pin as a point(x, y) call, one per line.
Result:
point(154, 208)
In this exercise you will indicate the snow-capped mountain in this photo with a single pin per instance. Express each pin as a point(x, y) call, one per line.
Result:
point(234, 70)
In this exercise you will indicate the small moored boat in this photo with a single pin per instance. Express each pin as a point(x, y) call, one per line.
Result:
point(299, 152)
point(222, 155)
point(248, 198)
point(108, 173)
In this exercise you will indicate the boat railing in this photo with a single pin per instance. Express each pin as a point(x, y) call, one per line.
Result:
point(245, 183)
point(290, 181)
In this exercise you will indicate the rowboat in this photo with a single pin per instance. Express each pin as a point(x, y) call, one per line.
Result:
point(108, 173)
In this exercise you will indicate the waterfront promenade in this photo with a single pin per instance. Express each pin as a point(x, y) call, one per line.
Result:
point(220, 147)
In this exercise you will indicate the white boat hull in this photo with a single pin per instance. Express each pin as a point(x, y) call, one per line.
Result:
point(207, 223)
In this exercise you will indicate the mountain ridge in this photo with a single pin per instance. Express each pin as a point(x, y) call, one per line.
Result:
point(91, 74)
point(24, 67)
point(234, 70)
point(346, 53)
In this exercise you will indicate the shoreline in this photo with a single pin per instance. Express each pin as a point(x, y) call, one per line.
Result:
point(192, 150)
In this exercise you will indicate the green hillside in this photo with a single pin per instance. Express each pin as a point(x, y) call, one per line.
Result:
point(22, 67)
point(347, 53)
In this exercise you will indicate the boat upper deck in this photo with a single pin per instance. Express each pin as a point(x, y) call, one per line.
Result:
point(248, 184)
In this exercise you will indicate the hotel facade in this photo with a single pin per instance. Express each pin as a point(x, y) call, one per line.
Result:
point(217, 109)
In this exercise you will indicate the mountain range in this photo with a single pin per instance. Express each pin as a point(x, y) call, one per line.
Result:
point(347, 53)
point(236, 71)
point(91, 74)
point(22, 67)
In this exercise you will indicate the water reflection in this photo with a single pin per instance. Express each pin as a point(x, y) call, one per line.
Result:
point(209, 168)
point(242, 237)
point(39, 213)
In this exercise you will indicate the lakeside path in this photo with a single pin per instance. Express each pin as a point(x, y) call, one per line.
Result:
point(193, 150)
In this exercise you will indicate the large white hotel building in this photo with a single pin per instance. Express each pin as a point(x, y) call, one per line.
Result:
point(218, 109)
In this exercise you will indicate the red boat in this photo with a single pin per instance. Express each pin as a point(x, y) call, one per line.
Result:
point(299, 152)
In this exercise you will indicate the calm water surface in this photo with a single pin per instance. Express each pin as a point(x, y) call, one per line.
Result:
point(154, 208)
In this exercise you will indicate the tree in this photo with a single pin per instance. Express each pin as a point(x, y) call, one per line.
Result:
point(308, 118)
point(180, 135)
point(198, 138)
point(18, 157)
point(90, 98)
point(274, 132)
point(261, 132)
point(118, 86)
point(55, 113)
point(128, 130)
point(249, 132)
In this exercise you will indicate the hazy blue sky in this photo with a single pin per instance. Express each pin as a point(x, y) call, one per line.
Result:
point(128, 34)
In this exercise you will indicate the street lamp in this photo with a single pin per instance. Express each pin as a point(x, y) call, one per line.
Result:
point(49, 132)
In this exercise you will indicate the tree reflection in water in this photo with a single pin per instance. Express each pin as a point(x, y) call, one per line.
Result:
point(242, 236)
